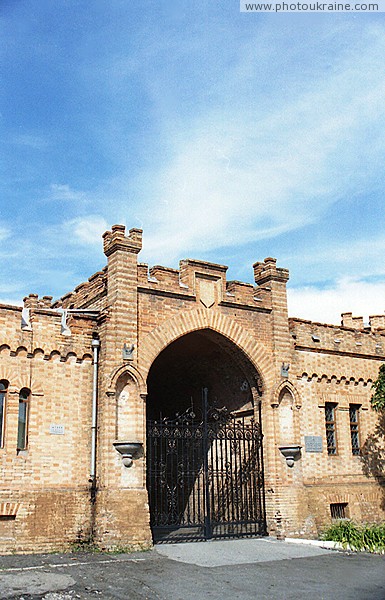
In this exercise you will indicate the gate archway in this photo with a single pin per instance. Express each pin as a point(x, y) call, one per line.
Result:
point(204, 441)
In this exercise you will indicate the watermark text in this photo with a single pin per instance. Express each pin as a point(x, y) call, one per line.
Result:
point(277, 7)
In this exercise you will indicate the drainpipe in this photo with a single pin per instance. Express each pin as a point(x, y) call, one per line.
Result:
point(95, 346)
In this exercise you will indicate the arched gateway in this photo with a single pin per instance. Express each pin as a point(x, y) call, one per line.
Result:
point(162, 427)
point(204, 441)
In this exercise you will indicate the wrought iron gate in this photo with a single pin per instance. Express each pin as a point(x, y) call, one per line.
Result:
point(205, 476)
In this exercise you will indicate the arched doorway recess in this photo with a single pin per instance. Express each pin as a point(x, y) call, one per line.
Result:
point(204, 441)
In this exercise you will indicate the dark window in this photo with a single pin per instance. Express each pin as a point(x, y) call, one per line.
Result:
point(339, 510)
point(22, 430)
point(3, 397)
point(330, 422)
point(354, 428)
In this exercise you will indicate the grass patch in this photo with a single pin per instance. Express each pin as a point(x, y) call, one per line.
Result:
point(135, 547)
point(84, 546)
point(363, 538)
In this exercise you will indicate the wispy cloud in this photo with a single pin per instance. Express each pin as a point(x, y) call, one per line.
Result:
point(267, 172)
point(64, 192)
point(30, 140)
point(218, 135)
point(85, 230)
point(5, 232)
point(332, 259)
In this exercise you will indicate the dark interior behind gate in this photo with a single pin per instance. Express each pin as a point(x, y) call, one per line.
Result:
point(204, 452)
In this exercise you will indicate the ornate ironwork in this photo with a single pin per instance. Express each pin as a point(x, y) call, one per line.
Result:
point(205, 476)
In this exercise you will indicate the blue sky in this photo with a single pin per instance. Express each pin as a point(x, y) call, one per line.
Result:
point(227, 137)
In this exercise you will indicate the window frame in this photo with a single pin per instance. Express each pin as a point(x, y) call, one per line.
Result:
point(339, 511)
point(23, 401)
point(331, 428)
point(355, 429)
point(3, 403)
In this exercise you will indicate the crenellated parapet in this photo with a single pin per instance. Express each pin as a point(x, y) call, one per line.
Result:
point(89, 294)
point(33, 301)
point(338, 340)
point(377, 323)
point(248, 294)
point(45, 330)
point(161, 278)
point(197, 280)
point(192, 271)
point(203, 282)
point(267, 271)
point(116, 239)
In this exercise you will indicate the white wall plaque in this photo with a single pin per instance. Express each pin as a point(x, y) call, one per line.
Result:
point(56, 429)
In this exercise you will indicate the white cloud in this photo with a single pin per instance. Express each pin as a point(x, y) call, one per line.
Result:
point(333, 258)
point(345, 253)
point(4, 233)
point(245, 173)
point(66, 193)
point(85, 230)
point(29, 140)
point(346, 295)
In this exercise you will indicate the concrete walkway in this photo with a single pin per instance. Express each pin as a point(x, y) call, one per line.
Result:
point(249, 569)
point(220, 553)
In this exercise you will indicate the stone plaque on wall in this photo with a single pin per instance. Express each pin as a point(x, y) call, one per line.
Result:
point(313, 443)
point(207, 292)
point(56, 429)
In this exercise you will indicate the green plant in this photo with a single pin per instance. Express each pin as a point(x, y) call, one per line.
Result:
point(135, 547)
point(83, 543)
point(84, 546)
point(378, 398)
point(368, 538)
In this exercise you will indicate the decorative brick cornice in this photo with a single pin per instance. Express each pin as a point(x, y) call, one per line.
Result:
point(240, 306)
point(166, 293)
point(340, 353)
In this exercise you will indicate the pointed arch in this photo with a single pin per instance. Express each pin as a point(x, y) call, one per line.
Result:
point(195, 320)
point(280, 390)
point(128, 372)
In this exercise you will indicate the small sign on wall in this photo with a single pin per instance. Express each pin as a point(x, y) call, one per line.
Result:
point(56, 429)
point(313, 443)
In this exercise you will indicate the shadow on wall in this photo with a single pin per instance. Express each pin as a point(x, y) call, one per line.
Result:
point(373, 455)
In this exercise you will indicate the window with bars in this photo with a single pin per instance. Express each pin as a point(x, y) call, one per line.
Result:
point(354, 428)
point(339, 510)
point(330, 423)
point(3, 397)
point(22, 429)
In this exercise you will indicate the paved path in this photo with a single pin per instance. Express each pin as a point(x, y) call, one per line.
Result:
point(236, 552)
point(258, 569)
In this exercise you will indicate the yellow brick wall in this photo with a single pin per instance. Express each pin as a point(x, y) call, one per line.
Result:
point(47, 487)
point(48, 480)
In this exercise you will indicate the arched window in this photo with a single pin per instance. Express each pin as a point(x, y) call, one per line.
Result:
point(3, 398)
point(22, 429)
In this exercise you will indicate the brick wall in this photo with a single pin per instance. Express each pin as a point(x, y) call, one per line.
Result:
point(293, 367)
point(47, 481)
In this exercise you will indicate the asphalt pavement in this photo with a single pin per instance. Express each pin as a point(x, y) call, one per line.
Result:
point(258, 569)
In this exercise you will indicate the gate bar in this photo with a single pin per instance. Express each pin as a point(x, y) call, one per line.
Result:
point(208, 532)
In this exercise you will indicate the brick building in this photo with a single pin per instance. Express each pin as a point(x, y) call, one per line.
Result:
point(204, 366)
